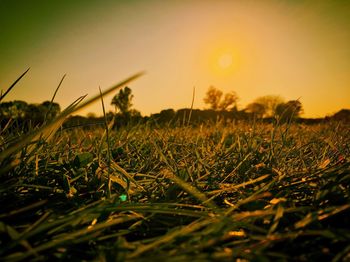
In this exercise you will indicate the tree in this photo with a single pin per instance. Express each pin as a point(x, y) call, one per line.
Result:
point(229, 101)
point(342, 115)
point(214, 99)
point(289, 111)
point(13, 109)
point(270, 103)
point(91, 115)
point(166, 115)
point(49, 109)
point(34, 114)
point(122, 100)
point(257, 109)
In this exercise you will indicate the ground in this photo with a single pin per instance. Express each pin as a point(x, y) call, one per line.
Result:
point(219, 191)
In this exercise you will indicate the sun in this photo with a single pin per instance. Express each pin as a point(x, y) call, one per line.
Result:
point(222, 61)
point(225, 60)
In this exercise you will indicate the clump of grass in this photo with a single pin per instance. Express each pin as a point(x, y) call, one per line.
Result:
point(213, 192)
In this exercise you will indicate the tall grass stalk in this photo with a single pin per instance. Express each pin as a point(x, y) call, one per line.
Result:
point(108, 188)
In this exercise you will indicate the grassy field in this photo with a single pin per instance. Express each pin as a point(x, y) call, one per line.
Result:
point(214, 192)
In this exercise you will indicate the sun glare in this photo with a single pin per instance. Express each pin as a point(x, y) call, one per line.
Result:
point(225, 61)
point(222, 59)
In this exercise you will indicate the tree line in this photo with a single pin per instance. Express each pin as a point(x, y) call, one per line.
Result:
point(221, 106)
point(28, 115)
point(270, 106)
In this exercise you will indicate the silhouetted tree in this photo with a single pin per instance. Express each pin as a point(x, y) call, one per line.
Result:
point(229, 101)
point(257, 109)
point(165, 115)
point(34, 114)
point(342, 115)
point(270, 103)
point(49, 110)
point(91, 115)
point(214, 99)
point(122, 100)
point(289, 111)
point(135, 113)
point(13, 109)
point(122, 103)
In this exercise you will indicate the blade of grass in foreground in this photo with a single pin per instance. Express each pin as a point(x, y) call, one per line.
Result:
point(49, 129)
point(108, 189)
point(72, 236)
point(44, 132)
point(190, 189)
point(108, 91)
point(13, 85)
point(184, 185)
point(53, 97)
point(189, 116)
point(171, 236)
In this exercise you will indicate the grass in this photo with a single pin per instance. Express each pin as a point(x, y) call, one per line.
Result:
point(246, 191)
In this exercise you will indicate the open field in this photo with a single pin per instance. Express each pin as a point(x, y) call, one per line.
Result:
point(227, 138)
point(212, 192)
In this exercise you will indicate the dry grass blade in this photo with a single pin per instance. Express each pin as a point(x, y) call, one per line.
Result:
point(15, 235)
point(13, 85)
point(193, 95)
point(108, 149)
point(234, 187)
point(261, 213)
point(320, 215)
point(168, 238)
point(160, 208)
point(190, 189)
point(126, 175)
point(23, 209)
point(184, 185)
point(53, 97)
point(237, 167)
point(71, 236)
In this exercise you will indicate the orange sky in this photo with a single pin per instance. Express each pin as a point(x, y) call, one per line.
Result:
point(295, 49)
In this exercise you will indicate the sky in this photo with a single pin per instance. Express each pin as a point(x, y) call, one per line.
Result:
point(292, 48)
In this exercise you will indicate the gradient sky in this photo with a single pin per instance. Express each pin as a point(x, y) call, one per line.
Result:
point(292, 48)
